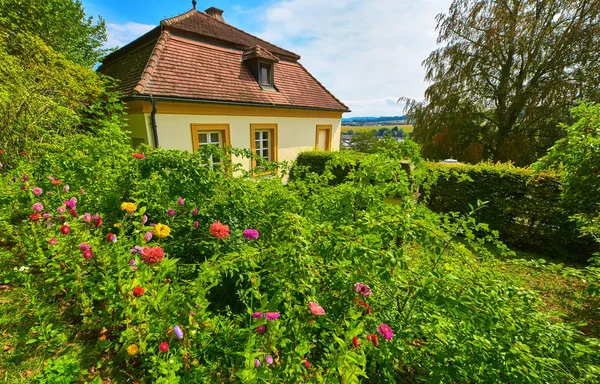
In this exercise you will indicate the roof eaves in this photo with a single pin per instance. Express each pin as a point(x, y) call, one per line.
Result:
point(152, 62)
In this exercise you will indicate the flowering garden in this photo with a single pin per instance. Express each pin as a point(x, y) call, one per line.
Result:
point(155, 268)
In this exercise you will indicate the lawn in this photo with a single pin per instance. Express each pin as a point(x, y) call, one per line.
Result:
point(406, 128)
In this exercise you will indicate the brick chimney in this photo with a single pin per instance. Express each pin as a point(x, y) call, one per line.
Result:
point(215, 13)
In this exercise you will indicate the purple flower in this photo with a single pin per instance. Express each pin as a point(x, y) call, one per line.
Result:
point(196, 224)
point(84, 247)
point(37, 191)
point(385, 331)
point(148, 236)
point(133, 251)
point(72, 203)
point(271, 316)
point(269, 359)
point(256, 363)
point(139, 249)
point(132, 262)
point(363, 289)
point(171, 212)
point(251, 234)
point(38, 207)
point(66, 188)
point(178, 332)
point(257, 315)
point(47, 216)
point(144, 219)
point(195, 212)
point(180, 201)
point(87, 217)
point(261, 329)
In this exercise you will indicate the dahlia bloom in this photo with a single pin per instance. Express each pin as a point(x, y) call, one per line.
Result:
point(385, 331)
point(219, 230)
point(148, 236)
point(271, 316)
point(178, 332)
point(164, 346)
point(138, 155)
point(37, 191)
point(128, 206)
point(316, 309)
point(171, 212)
point(363, 289)
point(257, 315)
point(138, 291)
point(251, 234)
point(261, 329)
point(162, 230)
point(153, 255)
point(269, 359)
point(38, 207)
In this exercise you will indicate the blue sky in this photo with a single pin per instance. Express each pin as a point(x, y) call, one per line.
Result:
point(366, 52)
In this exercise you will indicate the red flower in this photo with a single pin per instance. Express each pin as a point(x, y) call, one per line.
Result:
point(138, 155)
point(164, 346)
point(73, 212)
point(56, 182)
point(87, 254)
point(374, 340)
point(24, 153)
point(368, 337)
point(35, 217)
point(306, 363)
point(1, 151)
point(138, 291)
point(363, 304)
point(65, 229)
point(110, 237)
point(355, 341)
point(219, 230)
point(153, 255)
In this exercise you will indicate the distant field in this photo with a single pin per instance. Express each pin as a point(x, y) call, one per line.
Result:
point(406, 128)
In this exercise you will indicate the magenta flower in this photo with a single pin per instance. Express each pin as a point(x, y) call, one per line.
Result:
point(38, 207)
point(195, 212)
point(257, 315)
point(52, 241)
point(271, 316)
point(269, 359)
point(196, 224)
point(133, 263)
point(148, 236)
point(60, 210)
point(316, 309)
point(171, 212)
point(82, 191)
point(87, 217)
point(180, 201)
point(71, 203)
point(261, 329)
point(256, 363)
point(385, 331)
point(37, 191)
point(66, 188)
point(144, 219)
point(251, 234)
point(84, 247)
point(47, 216)
point(363, 289)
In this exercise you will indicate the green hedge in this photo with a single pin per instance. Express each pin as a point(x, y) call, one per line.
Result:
point(315, 161)
point(528, 212)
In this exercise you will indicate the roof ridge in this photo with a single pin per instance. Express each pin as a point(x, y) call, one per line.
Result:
point(178, 18)
point(322, 86)
point(152, 62)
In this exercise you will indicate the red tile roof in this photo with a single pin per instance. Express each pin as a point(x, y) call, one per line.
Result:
point(259, 52)
point(194, 58)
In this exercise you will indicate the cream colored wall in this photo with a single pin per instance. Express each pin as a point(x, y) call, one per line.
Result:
point(295, 134)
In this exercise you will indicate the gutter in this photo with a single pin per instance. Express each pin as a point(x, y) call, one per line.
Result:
point(231, 103)
point(153, 121)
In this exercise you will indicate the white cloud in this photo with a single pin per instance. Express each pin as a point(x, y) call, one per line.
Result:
point(368, 53)
point(122, 34)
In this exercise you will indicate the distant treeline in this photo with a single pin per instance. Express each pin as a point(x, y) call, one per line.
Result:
point(371, 119)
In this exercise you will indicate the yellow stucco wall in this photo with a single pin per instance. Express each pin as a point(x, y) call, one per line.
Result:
point(295, 134)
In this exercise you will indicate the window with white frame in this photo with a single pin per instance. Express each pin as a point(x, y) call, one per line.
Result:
point(263, 144)
point(210, 134)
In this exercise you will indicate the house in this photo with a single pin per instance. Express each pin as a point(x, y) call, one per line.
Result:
point(195, 80)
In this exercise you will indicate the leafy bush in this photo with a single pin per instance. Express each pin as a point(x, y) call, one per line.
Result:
point(526, 210)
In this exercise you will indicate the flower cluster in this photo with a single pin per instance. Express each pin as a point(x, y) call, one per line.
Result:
point(161, 230)
point(153, 255)
point(219, 230)
point(129, 207)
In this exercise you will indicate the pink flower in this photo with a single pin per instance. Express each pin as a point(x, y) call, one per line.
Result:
point(87, 217)
point(251, 234)
point(82, 191)
point(60, 210)
point(180, 201)
point(195, 212)
point(219, 230)
point(306, 363)
point(66, 188)
point(171, 212)
point(37, 191)
point(87, 254)
point(144, 219)
point(385, 331)
point(84, 246)
point(271, 316)
point(71, 203)
point(261, 329)
point(257, 315)
point(47, 216)
point(196, 224)
point(148, 236)
point(269, 359)
point(53, 241)
point(363, 289)
point(38, 207)
point(256, 363)
point(316, 309)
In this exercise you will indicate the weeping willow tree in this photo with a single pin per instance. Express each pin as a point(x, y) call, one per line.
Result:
point(506, 73)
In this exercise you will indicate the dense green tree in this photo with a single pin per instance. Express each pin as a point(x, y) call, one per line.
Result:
point(506, 75)
point(61, 24)
point(366, 142)
point(383, 132)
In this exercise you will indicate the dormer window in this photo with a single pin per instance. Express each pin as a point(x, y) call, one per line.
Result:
point(266, 74)
point(261, 62)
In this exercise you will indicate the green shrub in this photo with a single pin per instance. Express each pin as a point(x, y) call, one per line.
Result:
point(316, 162)
point(527, 211)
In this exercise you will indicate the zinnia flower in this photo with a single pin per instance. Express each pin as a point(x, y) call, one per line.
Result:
point(251, 234)
point(363, 304)
point(37, 191)
point(138, 155)
point(87, 217)
point(271, 316)
point(196, 224)
point(84, 246)
point(180, 201)
point(38, 207)
point(194, 211)
point(138, 291)
point(306, 363)
point(363, 289)
point(148, 236)
point(65, 229)
point(129, 207)
point(261, 329)
point(52, 241)
point(47, 216)
point(56, 182)
point(316, 309)
point(257, 315)
point(66, 188)
point(162, 230)
point(374, 340)
point(97, 221)
point(385, 331)
point(164, 346)
point(144, 219)
point(111, 237)
point(133, 349)
point(178, 332)
point(153, 255)
point(171, 212)
point(60, 210)
point(256, 363)
point(219, 230)
point(71, 203)
point(35, 217)
point(355, 341)
point(269, 359)
point(87, 254)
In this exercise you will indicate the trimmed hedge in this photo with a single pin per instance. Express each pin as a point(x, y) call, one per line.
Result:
point(527, 212)
point(316, 161)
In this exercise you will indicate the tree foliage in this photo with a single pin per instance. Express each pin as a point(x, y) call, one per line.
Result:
point(61, 24)
point(507, 74)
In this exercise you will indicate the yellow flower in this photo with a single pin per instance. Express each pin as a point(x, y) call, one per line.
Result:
point(162, 230)
point(129, 207)
point(133, 349)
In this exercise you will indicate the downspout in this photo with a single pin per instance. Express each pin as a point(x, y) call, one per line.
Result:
point(153, 121)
